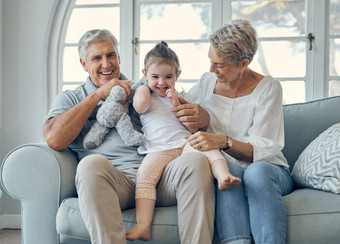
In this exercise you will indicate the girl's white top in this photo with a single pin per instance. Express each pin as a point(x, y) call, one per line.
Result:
point(162, 130)
point(256, 118)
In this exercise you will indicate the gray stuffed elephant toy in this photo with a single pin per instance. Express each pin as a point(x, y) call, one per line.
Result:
point(114, 113)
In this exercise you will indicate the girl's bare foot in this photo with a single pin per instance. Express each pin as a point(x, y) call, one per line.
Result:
point(228, 182)
point(139, 232)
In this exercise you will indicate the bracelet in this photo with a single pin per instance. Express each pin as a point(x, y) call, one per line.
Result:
point(229, 144)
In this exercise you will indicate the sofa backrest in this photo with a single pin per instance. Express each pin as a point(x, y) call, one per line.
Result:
point(303, 122)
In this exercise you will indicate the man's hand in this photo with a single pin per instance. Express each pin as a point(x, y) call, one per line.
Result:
point(61, 130)
point(192, 115)
point(104, 90)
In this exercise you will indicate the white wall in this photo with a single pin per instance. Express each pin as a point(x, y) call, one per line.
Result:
point(0, 68)
point(25, 33)
point(1, 96)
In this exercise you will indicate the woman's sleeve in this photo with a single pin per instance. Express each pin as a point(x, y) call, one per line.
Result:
point(196, 91)
point(267, 132)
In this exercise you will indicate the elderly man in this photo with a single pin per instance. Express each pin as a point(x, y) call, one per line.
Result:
point(106, 175)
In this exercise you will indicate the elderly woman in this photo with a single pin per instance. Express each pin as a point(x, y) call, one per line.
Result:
point(246, 123)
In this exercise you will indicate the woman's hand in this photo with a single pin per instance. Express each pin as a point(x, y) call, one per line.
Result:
point(204, 141)
point(192, 115)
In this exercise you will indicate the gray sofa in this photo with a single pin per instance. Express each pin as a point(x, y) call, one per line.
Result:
point(43, 180)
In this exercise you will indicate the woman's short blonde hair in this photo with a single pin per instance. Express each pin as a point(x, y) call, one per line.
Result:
point(235, 41)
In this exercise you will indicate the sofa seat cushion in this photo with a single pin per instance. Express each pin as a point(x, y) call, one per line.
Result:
point(164, 228)
point(313, 216)
point(311, 202)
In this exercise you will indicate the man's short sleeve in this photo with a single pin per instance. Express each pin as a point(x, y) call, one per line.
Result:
point(65, 101)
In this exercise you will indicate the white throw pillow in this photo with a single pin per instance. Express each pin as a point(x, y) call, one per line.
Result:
point(318, 166)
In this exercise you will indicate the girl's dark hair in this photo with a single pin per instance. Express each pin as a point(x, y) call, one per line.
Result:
point(161, 53)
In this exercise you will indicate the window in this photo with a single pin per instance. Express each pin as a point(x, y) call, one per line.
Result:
point(281, 30)
point(293, 40)
point(334, 49)
point(85, 15)
point(184, 25)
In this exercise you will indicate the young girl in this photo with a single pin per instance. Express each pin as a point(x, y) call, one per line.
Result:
point(165, 136)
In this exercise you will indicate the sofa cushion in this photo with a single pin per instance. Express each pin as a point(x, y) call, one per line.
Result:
point(313, 216)
point(308, 201)
point(303, 122)
point(164, 226)
point(318, 166)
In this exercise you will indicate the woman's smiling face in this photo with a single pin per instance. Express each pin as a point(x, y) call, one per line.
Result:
point(224, 69)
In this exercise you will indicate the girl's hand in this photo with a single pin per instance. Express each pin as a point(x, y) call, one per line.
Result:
point(172, 95)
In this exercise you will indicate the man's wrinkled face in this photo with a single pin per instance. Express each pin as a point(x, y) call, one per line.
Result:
point(102, 62)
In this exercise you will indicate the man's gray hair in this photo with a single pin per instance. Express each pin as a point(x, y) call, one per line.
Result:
point(94, 36)
point(235, 41)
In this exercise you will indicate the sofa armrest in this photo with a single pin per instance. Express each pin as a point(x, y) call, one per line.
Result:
point(40, 178)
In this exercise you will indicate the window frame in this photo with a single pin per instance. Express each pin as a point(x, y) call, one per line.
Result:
point(55, 50)
point(216, 20)
point(319, 24)
point(317, 61)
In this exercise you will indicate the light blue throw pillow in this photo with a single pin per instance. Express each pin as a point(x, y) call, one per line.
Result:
point(318, 166)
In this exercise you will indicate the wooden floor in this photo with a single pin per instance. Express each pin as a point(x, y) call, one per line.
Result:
point(10, 236)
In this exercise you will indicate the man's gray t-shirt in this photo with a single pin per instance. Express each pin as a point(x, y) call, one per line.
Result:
point(113, 147)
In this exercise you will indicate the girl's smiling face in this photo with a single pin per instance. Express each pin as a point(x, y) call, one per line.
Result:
point(161, 77)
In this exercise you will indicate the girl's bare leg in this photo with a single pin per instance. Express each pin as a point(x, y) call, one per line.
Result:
point(144, 214)
point(221, 173)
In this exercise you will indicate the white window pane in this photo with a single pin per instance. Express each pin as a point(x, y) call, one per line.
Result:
point(334, 17)
point(175, 21)
point(334, 57)
point(70, 87)
point(84, 19)
point(293, 92)
point(182, 86)
point(280, 59)
point(143, 50)
point(87, 2)
point(193, 58)
point(72, 69)
point(272, 18)
point(168, 1)
point(334, 88)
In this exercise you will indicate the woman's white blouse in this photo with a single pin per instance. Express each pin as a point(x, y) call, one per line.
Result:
point(256, 118)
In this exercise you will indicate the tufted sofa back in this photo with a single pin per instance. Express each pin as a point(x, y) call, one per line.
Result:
point(303, 122)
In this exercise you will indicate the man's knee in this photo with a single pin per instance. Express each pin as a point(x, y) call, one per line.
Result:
point(193, 160)
point(196, 166)
point(91, 166)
